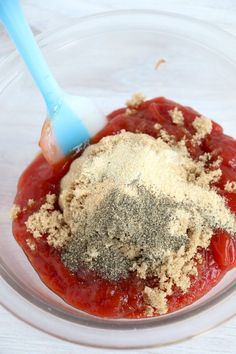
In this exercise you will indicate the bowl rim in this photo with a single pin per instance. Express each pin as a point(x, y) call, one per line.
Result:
point(101, 323)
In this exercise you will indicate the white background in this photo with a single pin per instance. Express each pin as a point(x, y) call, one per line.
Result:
point(17, 337)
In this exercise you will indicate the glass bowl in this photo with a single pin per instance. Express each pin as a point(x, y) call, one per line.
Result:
point(108, 57)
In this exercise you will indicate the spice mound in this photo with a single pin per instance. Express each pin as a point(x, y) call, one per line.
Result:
point(132, 203)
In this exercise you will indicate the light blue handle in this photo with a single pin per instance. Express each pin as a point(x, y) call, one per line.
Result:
point(13, 18)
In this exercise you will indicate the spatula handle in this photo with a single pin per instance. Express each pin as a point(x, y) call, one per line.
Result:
point(18, 29)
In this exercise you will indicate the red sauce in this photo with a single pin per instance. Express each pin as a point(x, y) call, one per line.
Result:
point(88, 291)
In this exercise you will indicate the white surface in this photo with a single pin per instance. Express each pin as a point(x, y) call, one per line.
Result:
point(17, 337)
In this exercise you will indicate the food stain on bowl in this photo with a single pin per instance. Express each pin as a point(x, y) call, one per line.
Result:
point(139, 223)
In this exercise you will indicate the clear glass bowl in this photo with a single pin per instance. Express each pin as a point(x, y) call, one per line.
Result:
point(108, 57)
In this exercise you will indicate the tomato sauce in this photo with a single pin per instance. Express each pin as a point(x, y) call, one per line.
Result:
point(87, 290)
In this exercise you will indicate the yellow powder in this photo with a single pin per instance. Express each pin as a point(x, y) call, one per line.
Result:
point(177, 116)
point(15, 211)
point(230, 187)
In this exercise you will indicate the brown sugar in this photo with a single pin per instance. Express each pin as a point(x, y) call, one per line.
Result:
point(230, 186)
point(31, 244)
point(50, 222)
point(157, 126)
point(203, 127)
point(136, 100)
point(166, 137)
point(15, 211)
point(156, 298)
point(130, 111)
point(177, 116)
point(149, 311)
point(31, 202)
